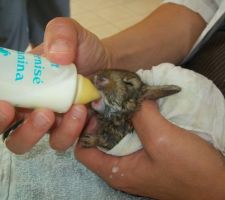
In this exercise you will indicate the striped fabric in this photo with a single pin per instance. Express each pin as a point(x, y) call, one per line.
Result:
point(210, 60)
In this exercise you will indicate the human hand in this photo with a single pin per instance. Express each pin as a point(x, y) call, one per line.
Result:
point(174, 163)
point(65, 42)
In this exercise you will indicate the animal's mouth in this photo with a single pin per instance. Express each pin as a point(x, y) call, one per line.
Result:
point(99, 104)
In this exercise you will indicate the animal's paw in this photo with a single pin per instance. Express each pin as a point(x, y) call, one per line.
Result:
point(88, 140)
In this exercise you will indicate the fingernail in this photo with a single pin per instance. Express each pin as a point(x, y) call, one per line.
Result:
point(77, 112)
point(40, 120)
point(60, 46)
point(2, 117)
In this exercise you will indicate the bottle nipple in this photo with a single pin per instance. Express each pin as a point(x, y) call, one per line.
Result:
point(86, 91)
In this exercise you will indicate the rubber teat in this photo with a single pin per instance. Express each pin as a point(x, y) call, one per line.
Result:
point(86, 91)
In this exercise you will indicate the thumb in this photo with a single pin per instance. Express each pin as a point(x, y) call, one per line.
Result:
point(60, 40)
point(152, 128)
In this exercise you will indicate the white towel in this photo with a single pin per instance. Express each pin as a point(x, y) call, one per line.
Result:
point(44, 174)
point(199, 107)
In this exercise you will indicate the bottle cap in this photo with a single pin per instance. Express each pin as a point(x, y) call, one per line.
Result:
point(86, 91)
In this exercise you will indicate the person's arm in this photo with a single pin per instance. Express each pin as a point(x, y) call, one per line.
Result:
point(166, 35)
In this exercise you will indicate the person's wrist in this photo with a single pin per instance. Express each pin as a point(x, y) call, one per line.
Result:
point(212, 188)
point(219, 191)
point(108, 59)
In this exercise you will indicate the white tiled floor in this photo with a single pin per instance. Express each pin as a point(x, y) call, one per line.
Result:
point(106, 17)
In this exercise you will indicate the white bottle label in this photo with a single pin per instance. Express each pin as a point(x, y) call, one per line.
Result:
point(32, 81)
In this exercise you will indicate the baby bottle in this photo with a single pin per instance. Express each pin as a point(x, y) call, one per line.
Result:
point(32, 81)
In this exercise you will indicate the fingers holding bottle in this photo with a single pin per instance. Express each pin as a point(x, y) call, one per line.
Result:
point(66, 41)
point(28, 133)
point(67, 131)
point(60, 40)
point(7, 113)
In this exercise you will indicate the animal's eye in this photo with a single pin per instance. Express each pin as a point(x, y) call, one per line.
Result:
point(128, 82)
point(132, 82)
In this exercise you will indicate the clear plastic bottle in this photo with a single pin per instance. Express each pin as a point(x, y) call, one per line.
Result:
point(32, 81)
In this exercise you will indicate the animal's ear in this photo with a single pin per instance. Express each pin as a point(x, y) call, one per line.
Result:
point(156, 92)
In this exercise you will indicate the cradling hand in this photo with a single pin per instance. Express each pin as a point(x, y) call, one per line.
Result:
point(174, 163)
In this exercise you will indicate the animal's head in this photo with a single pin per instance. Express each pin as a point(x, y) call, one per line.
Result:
point(123, 90)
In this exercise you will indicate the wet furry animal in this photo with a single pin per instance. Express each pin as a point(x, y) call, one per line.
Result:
point(122, 93)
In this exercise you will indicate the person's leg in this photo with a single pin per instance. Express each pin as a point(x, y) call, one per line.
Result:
point(13, 24)
point(41, 12)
